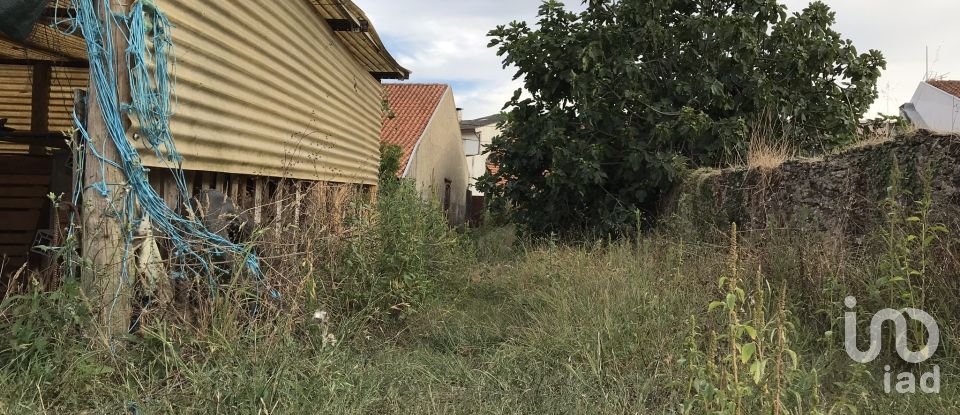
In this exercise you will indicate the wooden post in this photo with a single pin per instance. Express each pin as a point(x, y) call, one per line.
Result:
point(191, 184)
point(258, 190)
point(109, 293)
point(80, 107)
point(278, 198)
point(40, 104)
point(221, 182)
point(297, 203)
point(234, 192)
point(374, 192)
point(206, 180)
point(171, 194)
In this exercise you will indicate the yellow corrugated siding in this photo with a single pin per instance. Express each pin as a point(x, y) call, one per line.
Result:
point(264, 88)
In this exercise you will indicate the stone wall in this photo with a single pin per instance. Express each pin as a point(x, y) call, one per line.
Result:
point(842, 192)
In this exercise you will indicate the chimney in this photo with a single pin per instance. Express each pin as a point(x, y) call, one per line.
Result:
point(460, 114)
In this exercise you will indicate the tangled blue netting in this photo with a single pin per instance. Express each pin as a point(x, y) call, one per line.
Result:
point(149, 42)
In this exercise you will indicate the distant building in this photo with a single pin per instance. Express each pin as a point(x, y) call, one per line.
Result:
point(935, 106)
point(477, 135)
point(425, 124)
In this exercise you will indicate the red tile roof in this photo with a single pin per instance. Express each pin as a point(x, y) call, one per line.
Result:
point(412, 107)
point(950, 87)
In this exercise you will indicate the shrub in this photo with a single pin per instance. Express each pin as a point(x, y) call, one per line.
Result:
point(626, 95)
point(412, 247)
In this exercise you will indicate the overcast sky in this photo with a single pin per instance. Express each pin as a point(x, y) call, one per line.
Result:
point(445, 41)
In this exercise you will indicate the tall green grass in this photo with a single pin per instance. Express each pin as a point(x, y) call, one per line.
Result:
point(413, 318)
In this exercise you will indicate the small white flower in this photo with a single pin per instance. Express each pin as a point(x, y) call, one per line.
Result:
point(321, 316)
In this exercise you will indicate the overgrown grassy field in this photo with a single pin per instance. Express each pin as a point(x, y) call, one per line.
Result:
point(403, 316)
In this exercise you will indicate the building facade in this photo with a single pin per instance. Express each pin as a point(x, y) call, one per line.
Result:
point(477, 135)
point(935, 106)
point(425, 125)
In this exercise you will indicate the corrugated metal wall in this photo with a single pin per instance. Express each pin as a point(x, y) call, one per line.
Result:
point(16, 92)
point(264, 88)
point(16, 96)
point(63, 81)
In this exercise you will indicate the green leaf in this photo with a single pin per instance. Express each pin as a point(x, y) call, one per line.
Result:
point(714, 305)
point(747, 351)
point(793, 358)
point(758, 369)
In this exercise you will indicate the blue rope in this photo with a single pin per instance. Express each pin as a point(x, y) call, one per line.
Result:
point(150, 106)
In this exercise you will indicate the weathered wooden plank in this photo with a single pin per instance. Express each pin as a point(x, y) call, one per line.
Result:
point(15, 250)
point(22, 164)
point(16, 238)
point(171, 195)
point(19, 220)
point(32, 203)
point(25, 191)
point(40, 104)
point(191, 178)
point(24, 180)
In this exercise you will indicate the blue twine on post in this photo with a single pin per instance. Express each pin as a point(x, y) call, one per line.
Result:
point(150, 106)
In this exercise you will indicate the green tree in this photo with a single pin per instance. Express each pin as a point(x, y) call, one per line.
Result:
point(390, 155)
point(625, 96)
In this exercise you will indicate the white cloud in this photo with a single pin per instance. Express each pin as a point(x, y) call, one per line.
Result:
point(445, 41)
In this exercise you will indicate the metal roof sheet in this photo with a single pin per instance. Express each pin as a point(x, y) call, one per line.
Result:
point(48, 43)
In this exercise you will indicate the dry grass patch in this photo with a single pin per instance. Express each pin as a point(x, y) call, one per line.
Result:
point(767, 154)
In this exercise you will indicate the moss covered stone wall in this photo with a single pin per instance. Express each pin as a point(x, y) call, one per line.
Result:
point(842, 192)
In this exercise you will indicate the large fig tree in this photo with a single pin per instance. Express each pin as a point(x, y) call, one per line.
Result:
point(623, 97)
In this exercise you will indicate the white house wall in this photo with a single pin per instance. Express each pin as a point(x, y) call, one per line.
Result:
point(439, 157)
point(478, 164)
point(939, 109)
